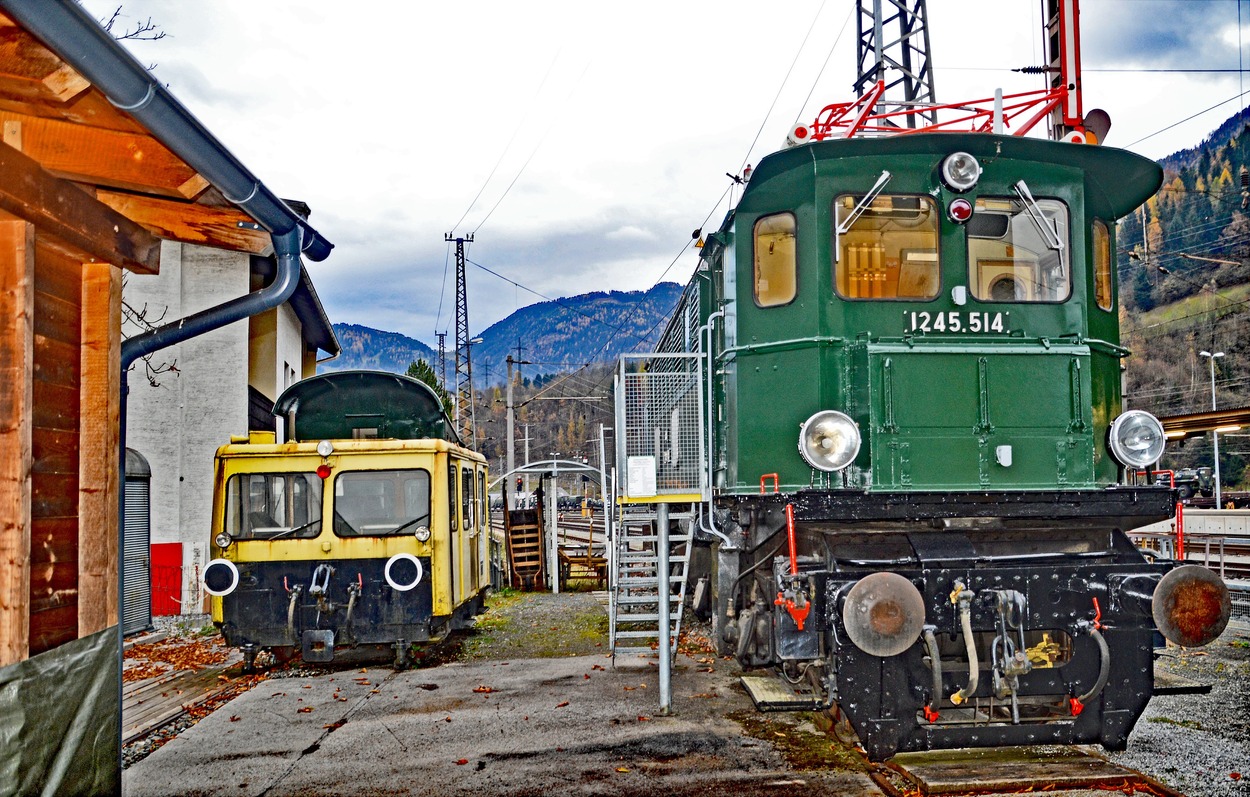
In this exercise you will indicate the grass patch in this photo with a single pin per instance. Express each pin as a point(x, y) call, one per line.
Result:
point(536, 625)
point(799, 743)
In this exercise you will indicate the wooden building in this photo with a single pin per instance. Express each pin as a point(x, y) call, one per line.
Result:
point(87, 192)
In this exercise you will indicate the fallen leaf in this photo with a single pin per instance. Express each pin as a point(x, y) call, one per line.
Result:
point(462, 762)
point(304, 709)
point(586, 676)
point(235, 718)
point(630, 688)
point(562, 705)
point(642, 718)
point(484, 690)
point(706, 669)
point(596, 667)
point(622, 769)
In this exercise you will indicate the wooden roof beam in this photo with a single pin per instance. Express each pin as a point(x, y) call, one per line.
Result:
point(225, 228)
point(63, 211)
point(86, 154)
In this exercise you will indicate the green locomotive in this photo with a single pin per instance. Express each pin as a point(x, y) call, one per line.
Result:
point(914, 345)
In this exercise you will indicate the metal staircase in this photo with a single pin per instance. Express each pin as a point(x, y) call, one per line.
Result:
point(634, 596)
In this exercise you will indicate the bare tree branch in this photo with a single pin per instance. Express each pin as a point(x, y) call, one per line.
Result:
point(145, 30)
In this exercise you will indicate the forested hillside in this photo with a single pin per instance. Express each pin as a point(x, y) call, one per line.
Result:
point(364, 347)
point(1184, 268)
point(554, 336)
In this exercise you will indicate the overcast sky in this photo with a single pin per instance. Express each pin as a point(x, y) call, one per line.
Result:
point(598, 134)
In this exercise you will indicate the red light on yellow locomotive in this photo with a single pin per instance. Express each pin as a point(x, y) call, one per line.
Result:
point(323, 470)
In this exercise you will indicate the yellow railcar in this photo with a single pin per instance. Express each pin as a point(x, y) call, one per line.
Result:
point(369, 527)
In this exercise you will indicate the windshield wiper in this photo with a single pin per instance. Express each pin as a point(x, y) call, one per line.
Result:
point(864, 202)
point(409, 524)
point(296, 530)
point(1049, 233)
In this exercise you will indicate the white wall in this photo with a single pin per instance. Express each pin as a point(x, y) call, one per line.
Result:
point(179, 425)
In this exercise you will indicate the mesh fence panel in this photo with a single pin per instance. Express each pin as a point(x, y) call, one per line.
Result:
point(660, 425)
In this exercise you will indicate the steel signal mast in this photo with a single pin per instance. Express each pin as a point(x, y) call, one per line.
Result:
point(464, 363)
point(894, 50)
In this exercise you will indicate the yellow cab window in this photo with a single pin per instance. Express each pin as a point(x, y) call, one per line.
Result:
point(886, 249)
point(1102, 264)
point(270, 505)
point(381, 503)
point(776, 260)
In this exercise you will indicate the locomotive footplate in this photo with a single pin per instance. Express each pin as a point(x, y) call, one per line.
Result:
point(1119, 507)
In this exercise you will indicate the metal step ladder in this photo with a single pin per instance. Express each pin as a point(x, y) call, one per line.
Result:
point(634, 599)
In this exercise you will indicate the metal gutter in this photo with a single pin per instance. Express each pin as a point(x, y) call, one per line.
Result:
point(70, 32)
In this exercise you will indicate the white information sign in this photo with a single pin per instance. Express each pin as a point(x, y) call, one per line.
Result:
point(641, 477)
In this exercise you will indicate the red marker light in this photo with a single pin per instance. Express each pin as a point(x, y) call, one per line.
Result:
point(323, 470)
point(959, 210)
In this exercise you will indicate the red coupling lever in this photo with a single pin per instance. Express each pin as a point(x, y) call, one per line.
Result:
point(1076, 705)
point(930, 714)
point(797, 612)
point(1097, 615)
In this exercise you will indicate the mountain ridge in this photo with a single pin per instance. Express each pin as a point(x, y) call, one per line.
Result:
point(552, 336)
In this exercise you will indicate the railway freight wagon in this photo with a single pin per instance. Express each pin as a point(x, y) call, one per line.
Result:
point(920, 466)
point(369, 527)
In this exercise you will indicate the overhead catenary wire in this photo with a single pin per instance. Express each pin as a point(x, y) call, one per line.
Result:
point(746, 159)
point(521, 123)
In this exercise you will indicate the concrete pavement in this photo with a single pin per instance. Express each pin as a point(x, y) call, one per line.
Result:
point(570, 726)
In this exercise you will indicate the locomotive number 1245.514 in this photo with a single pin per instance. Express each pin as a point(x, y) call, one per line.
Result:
point(954, 321)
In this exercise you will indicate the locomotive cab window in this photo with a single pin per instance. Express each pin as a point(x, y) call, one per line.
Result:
point(380, 503)
point(1018, 251)
point(776, 260)
point(263, 506)
point(886, 249)
point(1102, 264)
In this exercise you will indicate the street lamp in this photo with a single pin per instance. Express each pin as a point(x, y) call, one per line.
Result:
point(1215, 437)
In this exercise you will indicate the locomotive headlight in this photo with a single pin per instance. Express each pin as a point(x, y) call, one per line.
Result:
point(223, 540)
point(422, 533)
point(1137, 439)
point(960, 171)
point(829, 440)
point(221, 576)
point(325, 448)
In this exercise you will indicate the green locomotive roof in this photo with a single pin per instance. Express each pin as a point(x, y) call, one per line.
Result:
point(343, 405)
point(1122, 180)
